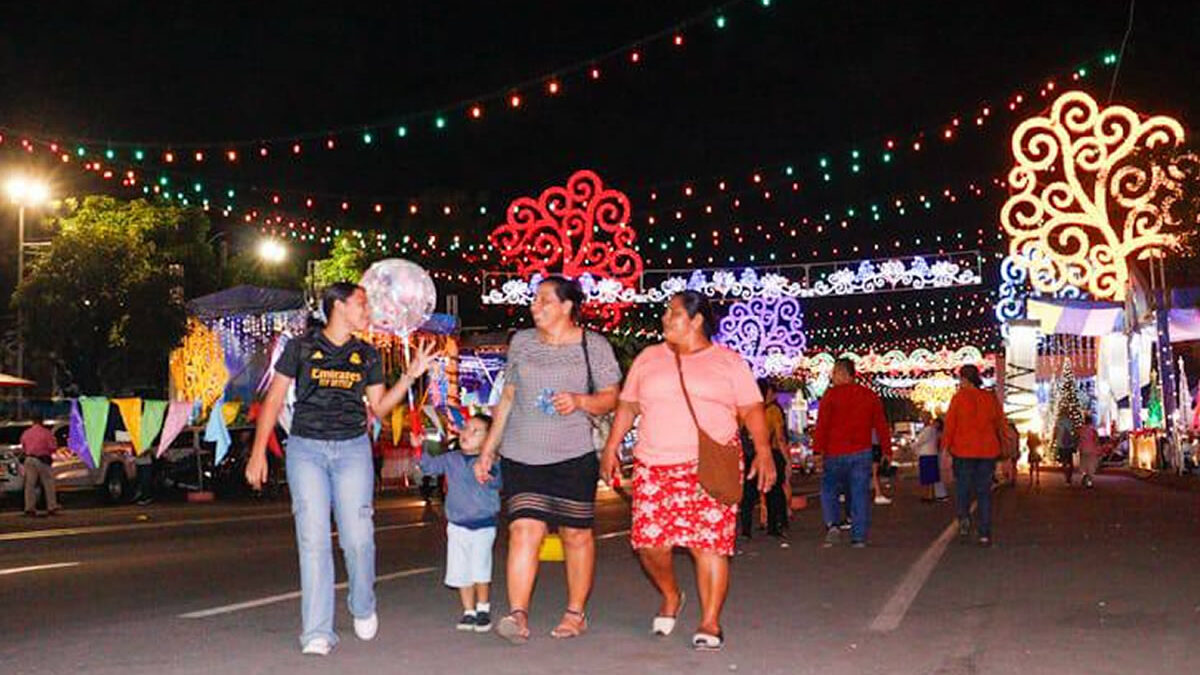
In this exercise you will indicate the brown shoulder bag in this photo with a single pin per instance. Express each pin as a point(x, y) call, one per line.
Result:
point(720, 471)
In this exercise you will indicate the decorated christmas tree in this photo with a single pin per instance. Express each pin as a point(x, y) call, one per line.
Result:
point(1066, 401)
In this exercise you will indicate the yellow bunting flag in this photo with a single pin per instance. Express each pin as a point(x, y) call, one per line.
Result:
point(131, 416)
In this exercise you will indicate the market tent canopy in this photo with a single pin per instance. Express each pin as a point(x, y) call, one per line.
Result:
point(1077, 317)
point(11, 381)
point(245, 300)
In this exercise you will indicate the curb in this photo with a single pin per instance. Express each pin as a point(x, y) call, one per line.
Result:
point(1168, 480)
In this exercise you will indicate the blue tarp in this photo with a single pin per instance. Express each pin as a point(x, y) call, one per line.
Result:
point(245, 300)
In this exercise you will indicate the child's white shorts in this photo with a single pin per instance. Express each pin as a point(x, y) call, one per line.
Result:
point(468, 555)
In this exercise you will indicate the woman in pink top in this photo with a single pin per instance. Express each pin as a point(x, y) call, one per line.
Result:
point(669, 507)
point(1089, 451)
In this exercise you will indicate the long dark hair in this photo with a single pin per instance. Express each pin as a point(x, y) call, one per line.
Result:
point(568, 290)
point(970, 373)
point(695, 303)
point(339, 291)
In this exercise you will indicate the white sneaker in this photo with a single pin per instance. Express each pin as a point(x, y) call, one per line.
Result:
point(366, 628)
point(317, 647)
point(882, 499)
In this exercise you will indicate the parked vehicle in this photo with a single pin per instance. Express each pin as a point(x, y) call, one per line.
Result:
point(187, 464)
point(113, 477)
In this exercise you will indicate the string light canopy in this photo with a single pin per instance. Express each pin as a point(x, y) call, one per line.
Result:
point(1083, 206)
point(512, 97)
point(167, 168)
point(833, 279)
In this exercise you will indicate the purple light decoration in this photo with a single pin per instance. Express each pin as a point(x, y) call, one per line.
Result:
point(767, 332)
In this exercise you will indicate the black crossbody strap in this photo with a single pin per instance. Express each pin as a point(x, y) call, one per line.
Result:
point(587, 360)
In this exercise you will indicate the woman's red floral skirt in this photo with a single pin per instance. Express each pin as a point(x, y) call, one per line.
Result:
point(671, 509)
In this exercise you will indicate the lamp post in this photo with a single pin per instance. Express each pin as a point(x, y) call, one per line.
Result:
point(23, 192)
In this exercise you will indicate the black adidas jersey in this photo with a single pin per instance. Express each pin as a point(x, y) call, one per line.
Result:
point(330, 382)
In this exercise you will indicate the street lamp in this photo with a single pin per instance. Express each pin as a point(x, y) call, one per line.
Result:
point(272, 251)
point(23, 191)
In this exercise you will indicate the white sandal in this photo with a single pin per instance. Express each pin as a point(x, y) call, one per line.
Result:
point(662, 626)
point(708, 642)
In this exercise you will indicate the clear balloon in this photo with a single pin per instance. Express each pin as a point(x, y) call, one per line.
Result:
point(400, 294)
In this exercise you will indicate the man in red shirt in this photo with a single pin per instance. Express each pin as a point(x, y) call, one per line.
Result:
point(39, 445)
point(848, 417)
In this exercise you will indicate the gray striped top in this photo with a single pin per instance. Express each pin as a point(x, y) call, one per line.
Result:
point(532, 436)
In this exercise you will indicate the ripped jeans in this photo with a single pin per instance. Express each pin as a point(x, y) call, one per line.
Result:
point(341, 474)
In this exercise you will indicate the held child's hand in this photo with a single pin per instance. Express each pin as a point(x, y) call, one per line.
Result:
point(483, 468)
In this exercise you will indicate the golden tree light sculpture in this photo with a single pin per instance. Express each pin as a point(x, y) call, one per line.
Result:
point(1086, 200)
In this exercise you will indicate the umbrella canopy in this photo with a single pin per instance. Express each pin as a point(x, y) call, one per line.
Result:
point(11, 381)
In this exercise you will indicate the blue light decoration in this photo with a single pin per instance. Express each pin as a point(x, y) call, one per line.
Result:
point(767, 332)
point(1015, 288)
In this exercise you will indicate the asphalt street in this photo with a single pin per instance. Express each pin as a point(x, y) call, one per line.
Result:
point(1079, 581)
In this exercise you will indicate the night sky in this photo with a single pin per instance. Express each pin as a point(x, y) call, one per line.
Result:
point(790, 83)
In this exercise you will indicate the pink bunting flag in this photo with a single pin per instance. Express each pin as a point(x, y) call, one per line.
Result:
point(177, 418)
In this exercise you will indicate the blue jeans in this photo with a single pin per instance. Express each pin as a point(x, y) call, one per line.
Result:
point(341, 474)
point(975, 475)
point(849, 475)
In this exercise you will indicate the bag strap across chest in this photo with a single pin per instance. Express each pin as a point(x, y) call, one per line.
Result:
point(683, 385)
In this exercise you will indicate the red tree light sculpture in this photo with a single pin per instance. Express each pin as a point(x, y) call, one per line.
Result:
point(572, 230)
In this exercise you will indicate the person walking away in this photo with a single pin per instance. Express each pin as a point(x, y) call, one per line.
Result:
point(848, 415)
point(38, 445)
point(680, 387)
point(557, 375)
point(329, 456)
point(975, 428)
point(1066, 442)
point(777, 506)
point(1034, 444)
point(471, 510)
point(1089, 452)
point(928, 463)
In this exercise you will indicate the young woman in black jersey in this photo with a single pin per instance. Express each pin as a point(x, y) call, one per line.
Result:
point(329, 464)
